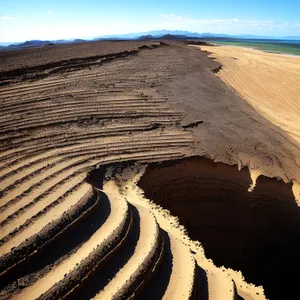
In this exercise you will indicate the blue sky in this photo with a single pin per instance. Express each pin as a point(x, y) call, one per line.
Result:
point(22, 20)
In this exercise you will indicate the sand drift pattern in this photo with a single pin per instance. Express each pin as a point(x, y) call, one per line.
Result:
point(72, 233)
point(57, 231)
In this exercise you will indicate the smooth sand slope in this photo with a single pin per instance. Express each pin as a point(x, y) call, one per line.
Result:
point(269, 82)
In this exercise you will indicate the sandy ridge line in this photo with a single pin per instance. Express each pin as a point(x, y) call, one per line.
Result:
point(90, 112)
point(115, 142)
point(36, 179)
point(46, 142)
point(179, 143)
point(144, 251)
point(37, 209)
point(105, 93)
point(25, 215)
point(97, 155)
point(102, 150)
point(220, 284)
point(73, 136)
point(25, 86)
point(48, 82)
point(64, 109)
point(11, 178)
point(33, 157)
point(27, 200)
point(183, 272)
point(185, 289)
point(50, 104)
point(55, 213)
point(149, 156)
point(74, 215)
point(22, 185)
point(77, 104)
point(79, 160)
point(68, 97)
point(73, 99)
point(39, 95)
point(93, 265)
point(15, 92)
point(97, 116)
point(154, 265)
point(76, 116)
point(14, 97)
point(66, 106)
point(67, 144)
point(102, 238)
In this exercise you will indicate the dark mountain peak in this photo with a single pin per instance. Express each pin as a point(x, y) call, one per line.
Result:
point(146, 37)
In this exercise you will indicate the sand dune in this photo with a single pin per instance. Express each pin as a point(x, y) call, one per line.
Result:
point(269, 82)
point(81, 215)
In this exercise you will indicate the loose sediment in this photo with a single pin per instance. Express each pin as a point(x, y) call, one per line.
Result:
point(252, 74)
point(70, 232)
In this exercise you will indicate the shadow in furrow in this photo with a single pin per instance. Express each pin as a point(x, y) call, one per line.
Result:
point(108, 270)
point(236, 295)
point(158, 284)
point(201, 283)
point(56, 251)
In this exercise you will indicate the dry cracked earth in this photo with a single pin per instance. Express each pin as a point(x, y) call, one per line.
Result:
point(130, 171)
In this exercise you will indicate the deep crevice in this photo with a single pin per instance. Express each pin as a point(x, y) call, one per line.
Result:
point(193, 124)
point(257, 233)
point(217, 70)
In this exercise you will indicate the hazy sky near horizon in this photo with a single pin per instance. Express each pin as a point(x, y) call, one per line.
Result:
point(22, 20)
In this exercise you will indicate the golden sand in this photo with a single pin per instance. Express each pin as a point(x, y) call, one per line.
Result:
point(267, 81)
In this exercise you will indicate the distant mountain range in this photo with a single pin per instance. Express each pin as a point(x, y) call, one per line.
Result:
point(157, 34)
point(36, 43)
point(188, 34)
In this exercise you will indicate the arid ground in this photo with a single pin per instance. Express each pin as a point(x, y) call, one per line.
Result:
point(268, 81)
point(130, 170)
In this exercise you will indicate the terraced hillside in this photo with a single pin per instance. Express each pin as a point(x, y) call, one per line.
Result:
point(54, 130)
point(69, 233)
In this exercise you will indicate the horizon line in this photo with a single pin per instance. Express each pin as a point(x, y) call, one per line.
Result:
point(139, 34)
